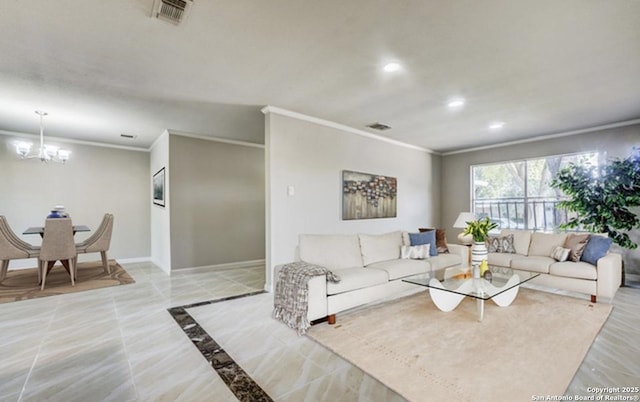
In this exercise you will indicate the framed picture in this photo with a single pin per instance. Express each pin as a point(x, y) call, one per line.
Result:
point(367, 196)
point(158, 188)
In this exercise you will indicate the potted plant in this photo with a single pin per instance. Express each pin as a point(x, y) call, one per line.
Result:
point(479, 230)
point(605, 198)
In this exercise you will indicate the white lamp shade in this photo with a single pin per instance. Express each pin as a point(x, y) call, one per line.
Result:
point(463, 218)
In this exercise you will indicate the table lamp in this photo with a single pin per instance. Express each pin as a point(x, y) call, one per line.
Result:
point(461, 223)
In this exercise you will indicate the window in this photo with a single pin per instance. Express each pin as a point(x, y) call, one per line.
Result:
point(518, 195)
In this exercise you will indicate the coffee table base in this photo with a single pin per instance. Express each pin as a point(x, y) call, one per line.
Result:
point(447, 300)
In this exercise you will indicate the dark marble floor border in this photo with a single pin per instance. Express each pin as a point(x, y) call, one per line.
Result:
point(238, 381)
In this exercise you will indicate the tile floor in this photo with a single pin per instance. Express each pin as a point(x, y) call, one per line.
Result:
point(121, 344)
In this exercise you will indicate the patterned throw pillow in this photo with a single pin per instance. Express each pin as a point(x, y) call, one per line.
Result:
point(503, 244)
point(415, 252)
point(560, 253)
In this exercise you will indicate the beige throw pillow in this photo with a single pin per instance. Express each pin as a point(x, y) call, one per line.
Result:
point(576, 243)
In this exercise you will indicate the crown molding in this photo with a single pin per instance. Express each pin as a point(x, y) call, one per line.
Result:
point(71, 141)
point(284, 112)
point(546, 137)
point(216, 139)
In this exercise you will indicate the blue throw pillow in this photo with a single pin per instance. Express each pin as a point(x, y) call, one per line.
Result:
point(425, 238)
point(595, 249)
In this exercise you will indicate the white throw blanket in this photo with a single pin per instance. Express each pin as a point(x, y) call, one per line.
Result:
point(291, 300)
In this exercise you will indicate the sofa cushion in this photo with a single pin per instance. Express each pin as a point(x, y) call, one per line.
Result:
point(330, 251)
point(534, 263)
point(576, 243)
point(572, 269)
point(521, 240)
point(502, 259)
point(380, 247)
point(596, 248)
point(406, 241)
point(428, 237)
point(400, 268)
point(543, 243)
point(357, 278)
point(444, 260)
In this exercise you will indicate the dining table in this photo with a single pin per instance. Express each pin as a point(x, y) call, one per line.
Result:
point(40, 230)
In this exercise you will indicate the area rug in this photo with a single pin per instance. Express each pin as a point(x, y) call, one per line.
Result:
point(22, 284)
point(533, 347)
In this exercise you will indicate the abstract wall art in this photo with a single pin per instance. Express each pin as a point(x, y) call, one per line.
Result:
point(368, 196)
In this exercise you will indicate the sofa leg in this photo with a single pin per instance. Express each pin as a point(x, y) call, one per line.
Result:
point(593, 298)
point(331, 319)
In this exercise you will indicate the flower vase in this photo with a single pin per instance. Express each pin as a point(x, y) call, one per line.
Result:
point(478, 253)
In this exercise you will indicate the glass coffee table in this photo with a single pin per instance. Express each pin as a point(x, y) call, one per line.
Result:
point(448, 286)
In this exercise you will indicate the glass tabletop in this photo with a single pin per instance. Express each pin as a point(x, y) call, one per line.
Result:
point(459, 280)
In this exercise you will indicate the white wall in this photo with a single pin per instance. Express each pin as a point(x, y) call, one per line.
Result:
point(160, 216)
point(95, 181)
point(311, 157)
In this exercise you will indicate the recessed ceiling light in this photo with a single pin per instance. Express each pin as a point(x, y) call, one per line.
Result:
point(456, 103)
point(496, 125)
point(392, 67)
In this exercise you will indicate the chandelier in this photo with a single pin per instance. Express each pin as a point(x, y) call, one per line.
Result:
point(46, 153)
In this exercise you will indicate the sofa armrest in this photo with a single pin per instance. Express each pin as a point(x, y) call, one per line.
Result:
point(609, 270)
point(462, 251)
point(317, 307)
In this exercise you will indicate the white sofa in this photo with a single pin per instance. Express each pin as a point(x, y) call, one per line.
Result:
point(370, 268)
point(533, 251)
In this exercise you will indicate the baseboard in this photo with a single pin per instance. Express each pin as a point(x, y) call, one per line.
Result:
point(222, 267)
point(133, 260)
point(157, 263)
point(33, 262)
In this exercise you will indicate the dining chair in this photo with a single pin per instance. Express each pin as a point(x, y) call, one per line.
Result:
point(13, 248)
point(99, 241)
point(57, 244)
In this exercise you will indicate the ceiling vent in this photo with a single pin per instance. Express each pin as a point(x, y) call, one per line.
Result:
point(378, 126)
point(173, 11)
point(128, 136)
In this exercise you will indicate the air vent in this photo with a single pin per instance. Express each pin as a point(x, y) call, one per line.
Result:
point(378, 126)
point(129, 136)
point(173, 11)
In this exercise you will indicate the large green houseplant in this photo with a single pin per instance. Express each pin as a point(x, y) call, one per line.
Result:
point(480, 229)
point(603, 197)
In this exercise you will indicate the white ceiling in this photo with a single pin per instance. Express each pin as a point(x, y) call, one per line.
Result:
point(104, 67)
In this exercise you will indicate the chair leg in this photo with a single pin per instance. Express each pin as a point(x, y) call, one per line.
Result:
point(72, 270)
point(4, 267)
point(43, 267)
point(105, 262)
